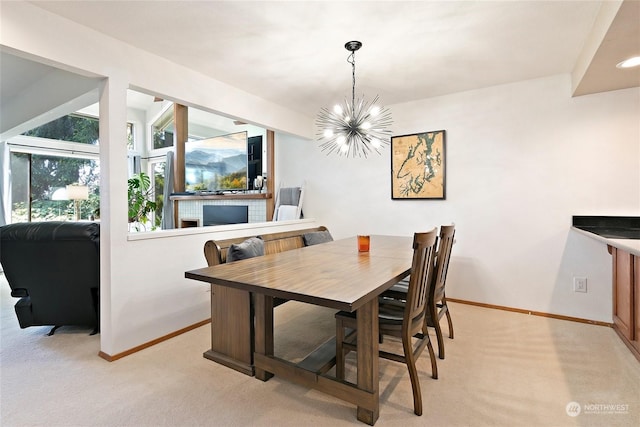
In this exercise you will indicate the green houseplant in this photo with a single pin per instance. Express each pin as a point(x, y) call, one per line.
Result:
point(140, 198)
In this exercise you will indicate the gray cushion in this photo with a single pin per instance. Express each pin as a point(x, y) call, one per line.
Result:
point(250, 248)
point(317, 237)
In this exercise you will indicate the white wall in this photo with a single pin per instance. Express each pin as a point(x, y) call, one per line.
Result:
point(521, 160)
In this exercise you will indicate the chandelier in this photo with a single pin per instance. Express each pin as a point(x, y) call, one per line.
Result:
point(355, 128)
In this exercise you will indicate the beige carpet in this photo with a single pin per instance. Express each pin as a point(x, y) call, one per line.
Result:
point(502, 369)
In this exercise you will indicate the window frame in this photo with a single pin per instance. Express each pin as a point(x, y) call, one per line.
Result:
point(33, 145)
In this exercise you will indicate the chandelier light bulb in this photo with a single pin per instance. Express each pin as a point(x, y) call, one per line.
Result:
point(354, 127)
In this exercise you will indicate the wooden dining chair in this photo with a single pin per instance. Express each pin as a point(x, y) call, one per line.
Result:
point(437, 305)
point(406, 323)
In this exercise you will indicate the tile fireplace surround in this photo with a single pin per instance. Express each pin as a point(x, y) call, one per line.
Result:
point(190, 208)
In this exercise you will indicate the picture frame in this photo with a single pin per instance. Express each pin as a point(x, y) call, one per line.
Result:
point(418, 166)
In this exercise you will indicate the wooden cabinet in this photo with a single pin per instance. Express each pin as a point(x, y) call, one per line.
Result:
point(623, 301)
point(626, 298)
point(636, 341)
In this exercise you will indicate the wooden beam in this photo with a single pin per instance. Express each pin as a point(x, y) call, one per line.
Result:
point(181, 126)
point(180, 135)
point(271, 173)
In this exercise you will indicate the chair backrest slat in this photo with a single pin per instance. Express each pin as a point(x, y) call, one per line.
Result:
point(422, 270)
point(447, 233)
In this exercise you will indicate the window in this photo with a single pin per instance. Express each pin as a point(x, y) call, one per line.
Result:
point(20, 166)
point(48, 158)
point(158, 188)
point(130, 138)
point(163, 130)
point(73, 128)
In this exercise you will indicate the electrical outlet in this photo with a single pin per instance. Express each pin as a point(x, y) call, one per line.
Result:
point(580, 284)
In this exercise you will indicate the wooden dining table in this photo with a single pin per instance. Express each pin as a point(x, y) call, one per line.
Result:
point(333, 275)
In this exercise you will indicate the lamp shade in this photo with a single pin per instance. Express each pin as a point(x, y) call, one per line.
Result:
point(77, 192)
point(60, 194)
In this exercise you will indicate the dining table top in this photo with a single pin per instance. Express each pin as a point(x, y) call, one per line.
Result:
point(332, 274)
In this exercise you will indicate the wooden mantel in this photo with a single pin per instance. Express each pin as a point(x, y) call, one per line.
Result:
point(234, 196)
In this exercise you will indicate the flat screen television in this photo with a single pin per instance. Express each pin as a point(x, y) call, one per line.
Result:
point(217, 164)
point(221, 215)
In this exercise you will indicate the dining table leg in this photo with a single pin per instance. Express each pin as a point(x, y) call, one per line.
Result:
point(263, 306)
point(368, 346)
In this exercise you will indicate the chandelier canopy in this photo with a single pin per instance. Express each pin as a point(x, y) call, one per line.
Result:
point(357, 127)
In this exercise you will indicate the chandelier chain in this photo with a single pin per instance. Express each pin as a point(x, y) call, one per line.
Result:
point(352, 60)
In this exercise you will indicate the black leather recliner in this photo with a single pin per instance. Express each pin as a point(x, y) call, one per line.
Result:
point(54, 268)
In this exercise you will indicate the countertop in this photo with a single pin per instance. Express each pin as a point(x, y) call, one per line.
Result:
point(630, 245)
point(619, 232)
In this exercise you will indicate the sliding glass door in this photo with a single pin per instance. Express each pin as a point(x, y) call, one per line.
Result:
point(38, 187)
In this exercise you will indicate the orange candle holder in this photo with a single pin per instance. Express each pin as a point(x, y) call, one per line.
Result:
point(363, 243)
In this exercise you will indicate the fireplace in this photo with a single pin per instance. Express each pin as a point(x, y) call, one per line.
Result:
point(224, 214)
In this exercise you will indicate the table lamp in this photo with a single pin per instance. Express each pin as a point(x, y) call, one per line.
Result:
point(77, 193)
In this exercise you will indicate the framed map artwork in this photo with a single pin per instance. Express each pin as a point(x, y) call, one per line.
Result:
point(418, 166)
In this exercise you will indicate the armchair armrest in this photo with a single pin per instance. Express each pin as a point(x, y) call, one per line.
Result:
point(19, 293)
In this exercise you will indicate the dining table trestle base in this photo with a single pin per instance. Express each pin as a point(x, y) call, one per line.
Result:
point(311, 371)
point(365, 400)
point(229, 362)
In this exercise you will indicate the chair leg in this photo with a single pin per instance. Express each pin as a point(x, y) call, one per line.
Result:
point(432, 356)
point(339, 350)
point(436, 324)
point(444, 304)
point(53, 330)
point(413, 374)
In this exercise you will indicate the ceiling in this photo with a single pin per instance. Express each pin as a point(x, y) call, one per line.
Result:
point(292, 52)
